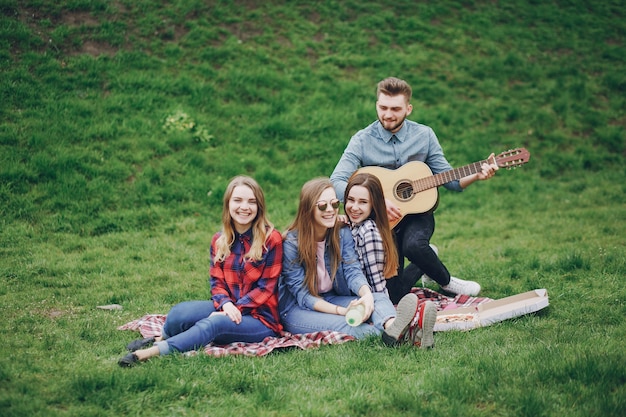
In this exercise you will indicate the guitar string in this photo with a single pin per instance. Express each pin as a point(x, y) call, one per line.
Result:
point(407, 189)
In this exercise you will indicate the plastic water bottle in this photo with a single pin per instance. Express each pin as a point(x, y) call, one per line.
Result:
point(355, 314)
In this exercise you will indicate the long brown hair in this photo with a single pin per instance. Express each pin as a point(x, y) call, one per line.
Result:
point(304, 224)
point(261, 226)
point(379, 215)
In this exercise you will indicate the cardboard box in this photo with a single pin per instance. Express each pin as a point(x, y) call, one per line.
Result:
point(467, 318)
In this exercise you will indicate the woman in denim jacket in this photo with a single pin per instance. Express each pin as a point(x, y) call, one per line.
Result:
point(322, 275)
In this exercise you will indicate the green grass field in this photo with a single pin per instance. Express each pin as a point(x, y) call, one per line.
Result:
point(121, 123)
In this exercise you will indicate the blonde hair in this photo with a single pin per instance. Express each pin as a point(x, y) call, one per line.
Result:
point(261, 226)
point(379, 215)
point(304, 224)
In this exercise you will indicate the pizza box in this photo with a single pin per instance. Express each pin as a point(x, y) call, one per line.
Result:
point(467, 318)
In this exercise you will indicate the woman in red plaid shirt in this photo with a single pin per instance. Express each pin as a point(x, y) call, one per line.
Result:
point(246, 261)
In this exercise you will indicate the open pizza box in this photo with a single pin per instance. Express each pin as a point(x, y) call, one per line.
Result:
point(467, 318)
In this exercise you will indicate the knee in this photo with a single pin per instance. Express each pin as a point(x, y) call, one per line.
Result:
point(216, 324)
point(417, 246)
point(175, 314)
point(380, 297)
point(177, 319)
point(179, 310)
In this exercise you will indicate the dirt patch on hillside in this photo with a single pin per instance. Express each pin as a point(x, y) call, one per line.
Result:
point(105, 32)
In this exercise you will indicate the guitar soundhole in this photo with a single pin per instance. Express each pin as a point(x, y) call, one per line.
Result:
point(404, 191)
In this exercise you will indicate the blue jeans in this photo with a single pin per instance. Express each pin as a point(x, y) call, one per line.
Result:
point(189, 327)
point(412, 240)
point(301, 320)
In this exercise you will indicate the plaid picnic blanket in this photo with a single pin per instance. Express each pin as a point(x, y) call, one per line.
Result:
point(444, 302)
point(151, 325)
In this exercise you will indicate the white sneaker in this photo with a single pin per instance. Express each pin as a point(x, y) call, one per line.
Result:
point(426, 280)
point(460, 286)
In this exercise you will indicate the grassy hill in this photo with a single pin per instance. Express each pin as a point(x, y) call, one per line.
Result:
point(121, 123)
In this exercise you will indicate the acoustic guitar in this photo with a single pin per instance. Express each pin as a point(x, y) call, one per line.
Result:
point(413, 187)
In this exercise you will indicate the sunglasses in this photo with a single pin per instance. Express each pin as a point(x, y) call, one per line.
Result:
point(323, 205)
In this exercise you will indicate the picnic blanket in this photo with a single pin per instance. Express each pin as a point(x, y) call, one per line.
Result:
point(151, 325)
point(443, 302)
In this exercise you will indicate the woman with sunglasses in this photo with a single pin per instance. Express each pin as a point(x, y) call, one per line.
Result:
point(322, 275)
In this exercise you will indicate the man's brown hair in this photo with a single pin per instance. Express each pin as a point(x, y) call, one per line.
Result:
point(393, 87)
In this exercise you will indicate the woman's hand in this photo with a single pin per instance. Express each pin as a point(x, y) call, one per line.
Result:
point(232, 312)
point(367, 300)
point(342, 218)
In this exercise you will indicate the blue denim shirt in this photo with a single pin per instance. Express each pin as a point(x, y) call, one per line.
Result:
point(376, 146)
point(292, 290)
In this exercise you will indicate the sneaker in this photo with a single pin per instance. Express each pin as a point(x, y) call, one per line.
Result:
point(128, 361)
point(140, 344)
point(426, 280)
point(407, 307)
point(459, 286)
point(427, 316)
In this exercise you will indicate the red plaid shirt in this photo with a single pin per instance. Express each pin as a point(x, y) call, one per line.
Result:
point(252, 286)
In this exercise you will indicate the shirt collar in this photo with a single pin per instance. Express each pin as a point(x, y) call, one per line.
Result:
point(387, 135)
point(247, 235)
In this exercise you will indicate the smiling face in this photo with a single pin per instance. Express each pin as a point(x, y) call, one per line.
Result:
point(392, 110)
point(325, 219)
point(242, 207)
point(358, 204)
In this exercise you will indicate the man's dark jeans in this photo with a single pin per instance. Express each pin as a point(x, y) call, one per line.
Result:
point(412, 236)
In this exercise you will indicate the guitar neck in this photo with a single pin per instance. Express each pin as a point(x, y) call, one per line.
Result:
point(437, 180)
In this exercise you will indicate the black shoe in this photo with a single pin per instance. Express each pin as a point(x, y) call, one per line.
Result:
point(139, 344)
point(129, 360)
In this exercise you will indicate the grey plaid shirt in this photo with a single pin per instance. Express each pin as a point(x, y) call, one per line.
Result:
point(369, 247)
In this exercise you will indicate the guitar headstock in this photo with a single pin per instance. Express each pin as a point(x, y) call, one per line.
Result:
point(513, 158)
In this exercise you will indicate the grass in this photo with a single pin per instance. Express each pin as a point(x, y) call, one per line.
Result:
point(122, 122)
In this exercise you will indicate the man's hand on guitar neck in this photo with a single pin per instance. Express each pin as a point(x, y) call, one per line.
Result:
point(488, 171)
point(393, 212)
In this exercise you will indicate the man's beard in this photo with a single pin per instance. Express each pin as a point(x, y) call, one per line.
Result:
point(393, 127)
